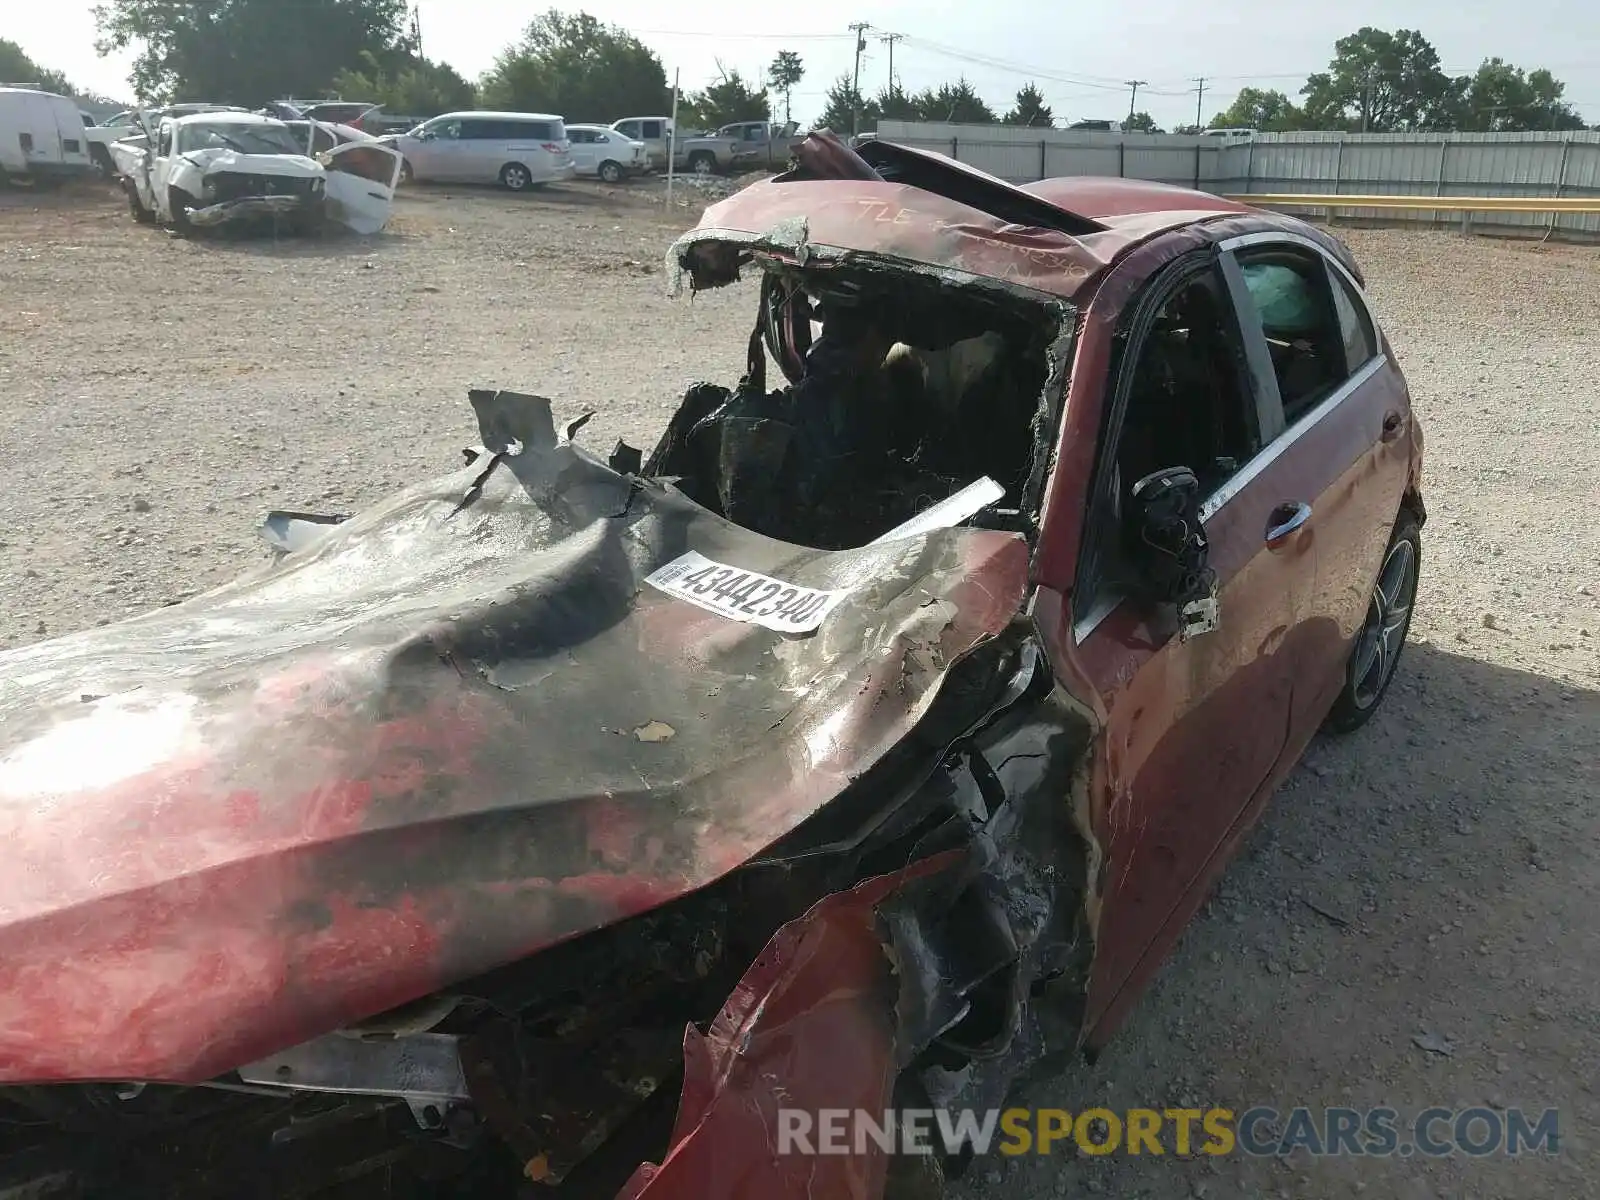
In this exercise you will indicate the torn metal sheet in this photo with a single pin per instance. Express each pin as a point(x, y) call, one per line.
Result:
point(291, 532)
point(303, 800)
point(249, 208)
point(949, 512)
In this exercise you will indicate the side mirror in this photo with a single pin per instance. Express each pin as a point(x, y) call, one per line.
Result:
point(1169, 551)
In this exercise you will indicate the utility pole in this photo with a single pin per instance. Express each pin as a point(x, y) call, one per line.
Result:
point(1133, 100)
point(1199, 101)
point(890, 39)
point(859, 28)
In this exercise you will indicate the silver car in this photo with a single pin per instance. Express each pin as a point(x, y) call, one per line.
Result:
point(601, 151)
point(517, 150)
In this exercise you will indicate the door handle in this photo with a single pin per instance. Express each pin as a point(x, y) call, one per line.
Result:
point(1284, 521)
point(1393, 423)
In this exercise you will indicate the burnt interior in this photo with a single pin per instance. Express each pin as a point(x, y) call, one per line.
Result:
point(894, 389)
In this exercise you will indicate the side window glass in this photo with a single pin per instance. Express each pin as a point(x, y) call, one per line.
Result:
point(1291, 306)
point(164, 144)
point(629, 129)
point(652, 130)
point(321, 140)
point(1360, 342)
point(601, 138)
point(1188, 403)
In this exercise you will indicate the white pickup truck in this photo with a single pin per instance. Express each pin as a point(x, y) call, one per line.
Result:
point(214, 168)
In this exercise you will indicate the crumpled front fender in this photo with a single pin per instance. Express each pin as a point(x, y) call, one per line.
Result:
point(811, 1026)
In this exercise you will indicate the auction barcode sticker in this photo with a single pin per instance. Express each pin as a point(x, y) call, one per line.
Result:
point(747, 596)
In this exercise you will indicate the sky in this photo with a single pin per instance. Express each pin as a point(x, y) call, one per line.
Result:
point(1080, 57)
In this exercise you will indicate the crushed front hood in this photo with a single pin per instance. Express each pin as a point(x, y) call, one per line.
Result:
point(215, 160)
point(453, 730)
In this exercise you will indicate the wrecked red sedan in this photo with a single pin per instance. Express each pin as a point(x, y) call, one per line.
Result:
point(549, 826)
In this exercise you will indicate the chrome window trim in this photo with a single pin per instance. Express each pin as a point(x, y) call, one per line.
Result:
point(1105, 606)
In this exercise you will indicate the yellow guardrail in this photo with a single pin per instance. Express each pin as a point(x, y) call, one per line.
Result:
point(1461, 204)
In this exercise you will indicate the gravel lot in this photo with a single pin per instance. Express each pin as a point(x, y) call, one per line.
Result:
point(160, 394)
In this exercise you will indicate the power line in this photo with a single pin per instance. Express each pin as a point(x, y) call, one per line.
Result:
point(1004, 65)
point(739, 37)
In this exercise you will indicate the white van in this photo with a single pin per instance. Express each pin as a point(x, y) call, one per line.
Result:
point(516, 150)
point(41, 136)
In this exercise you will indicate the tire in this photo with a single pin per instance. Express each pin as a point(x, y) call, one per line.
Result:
point(610, 172)
point(141, 214)
point(703, 162)
point(407, 175)
point(1375, 656)
point(177, 201)
point(515, 177)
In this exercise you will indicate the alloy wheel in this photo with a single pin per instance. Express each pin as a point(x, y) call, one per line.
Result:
point(1388, 615)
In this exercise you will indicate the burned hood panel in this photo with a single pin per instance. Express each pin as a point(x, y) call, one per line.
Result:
point(453, 730)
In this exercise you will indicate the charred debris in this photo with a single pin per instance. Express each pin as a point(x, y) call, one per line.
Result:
point(876, 385)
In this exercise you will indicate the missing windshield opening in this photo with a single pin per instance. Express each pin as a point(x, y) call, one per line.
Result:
point(896, 388)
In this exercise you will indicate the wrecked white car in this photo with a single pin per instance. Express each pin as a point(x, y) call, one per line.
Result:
point(222, 168)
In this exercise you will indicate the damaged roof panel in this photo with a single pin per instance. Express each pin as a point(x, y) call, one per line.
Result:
point(895, 202)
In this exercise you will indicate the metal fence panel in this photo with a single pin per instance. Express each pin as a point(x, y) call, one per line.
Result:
point(1425, 164)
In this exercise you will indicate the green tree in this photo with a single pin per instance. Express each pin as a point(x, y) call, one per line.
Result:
point(1502, 98)
point(415, 87)
point(17, 67)
point(894, 104)
point(728, 99)
point(785, 72)
point(1141, 122)
point(246, 51)
point(575, 66)
point(957, 103)
point(843, 101)
point(1030, 109)
point(1383, 82)
point(1257, 108)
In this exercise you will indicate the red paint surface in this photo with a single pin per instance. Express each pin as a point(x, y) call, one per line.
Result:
point(810, 1027)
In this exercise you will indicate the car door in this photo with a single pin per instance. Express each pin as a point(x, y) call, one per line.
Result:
point(1195, 729)
point(585, 149)
point(442, 155)
point(361, 183)
point(1345, 411)
point(657, 137)
point(159, 167)
point(484, 149)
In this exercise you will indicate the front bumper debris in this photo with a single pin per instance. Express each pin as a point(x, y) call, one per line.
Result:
point(247, 208)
